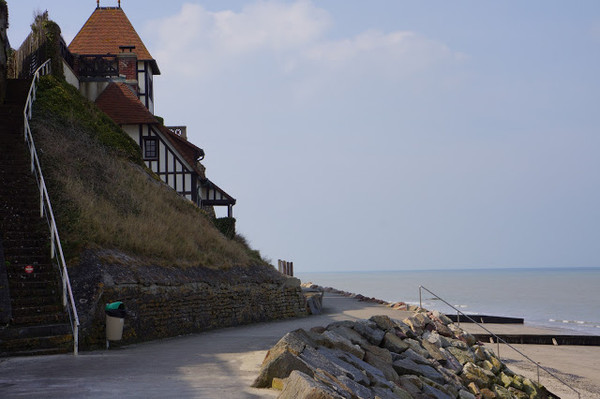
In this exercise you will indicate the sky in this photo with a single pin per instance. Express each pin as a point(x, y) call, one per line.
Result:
point(384, 135)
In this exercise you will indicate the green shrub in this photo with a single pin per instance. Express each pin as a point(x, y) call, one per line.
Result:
point(226, 226)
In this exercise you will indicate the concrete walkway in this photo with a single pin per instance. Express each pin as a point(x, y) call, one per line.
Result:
point(216, 364)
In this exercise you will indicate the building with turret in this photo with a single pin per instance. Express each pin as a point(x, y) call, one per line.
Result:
point(110, 65)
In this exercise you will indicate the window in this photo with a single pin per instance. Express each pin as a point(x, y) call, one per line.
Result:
point(150, 148)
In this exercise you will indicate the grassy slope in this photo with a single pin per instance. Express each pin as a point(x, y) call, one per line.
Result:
point(104, 197)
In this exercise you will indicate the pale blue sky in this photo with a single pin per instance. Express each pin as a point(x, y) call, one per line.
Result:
point(385, 134)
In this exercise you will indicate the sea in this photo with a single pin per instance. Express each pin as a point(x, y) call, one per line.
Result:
point(559, 298)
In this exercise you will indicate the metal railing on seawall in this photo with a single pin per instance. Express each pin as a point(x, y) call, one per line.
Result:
point(498, 339)
point(56, 251)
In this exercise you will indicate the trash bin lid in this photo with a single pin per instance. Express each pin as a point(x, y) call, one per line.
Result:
point(114, 305)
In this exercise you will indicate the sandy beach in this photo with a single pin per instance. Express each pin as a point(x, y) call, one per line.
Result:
point(578, 366)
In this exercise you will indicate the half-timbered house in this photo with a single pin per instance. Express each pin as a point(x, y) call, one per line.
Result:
point(114, 68)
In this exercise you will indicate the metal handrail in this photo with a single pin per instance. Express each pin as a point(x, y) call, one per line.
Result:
point(498, 340)
point(46, 207)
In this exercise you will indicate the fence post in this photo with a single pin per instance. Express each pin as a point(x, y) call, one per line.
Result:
point(285, 267)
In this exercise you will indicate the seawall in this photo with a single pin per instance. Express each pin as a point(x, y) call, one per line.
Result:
point(165, 302)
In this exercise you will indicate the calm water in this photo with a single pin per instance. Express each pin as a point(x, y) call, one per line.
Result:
point(558, 298)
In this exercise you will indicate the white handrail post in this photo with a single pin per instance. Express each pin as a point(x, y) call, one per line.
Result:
point(76, 340)
point(64, 284)
point(32, 153)
point(499, 358)
point(52, 250)
point(41, 201)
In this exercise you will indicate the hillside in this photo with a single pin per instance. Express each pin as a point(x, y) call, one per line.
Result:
point(105, 198)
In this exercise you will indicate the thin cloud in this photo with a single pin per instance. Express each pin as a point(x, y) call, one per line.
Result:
point(200, 41)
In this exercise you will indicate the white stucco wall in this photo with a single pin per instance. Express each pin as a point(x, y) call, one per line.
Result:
point(133, 132)
point(70, 76)
point(91, 90)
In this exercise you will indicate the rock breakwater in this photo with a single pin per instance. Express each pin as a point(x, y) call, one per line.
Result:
point(360, 297)
point(423, 356)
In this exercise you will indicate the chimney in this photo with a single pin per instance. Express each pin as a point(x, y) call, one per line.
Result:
point(128, 63)
point(98, 3)
point(180, 131)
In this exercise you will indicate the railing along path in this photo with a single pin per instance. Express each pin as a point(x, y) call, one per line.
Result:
point(498, 340)
point(56, 251)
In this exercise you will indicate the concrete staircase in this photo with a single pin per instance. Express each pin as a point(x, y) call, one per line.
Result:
point(38, 323)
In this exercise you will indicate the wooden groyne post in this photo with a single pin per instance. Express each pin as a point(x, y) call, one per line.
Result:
point(285, 267)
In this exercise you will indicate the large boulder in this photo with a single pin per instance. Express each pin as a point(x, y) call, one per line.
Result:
point(370, 331)
point(481, 377)
point(302, 386)
point(408, 366)
point(335, 340)
point(282, 359)
point(394, 343)
point(384, 323)
point(464, 356)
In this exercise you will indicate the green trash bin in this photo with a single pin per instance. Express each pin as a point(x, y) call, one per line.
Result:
point(115, 319)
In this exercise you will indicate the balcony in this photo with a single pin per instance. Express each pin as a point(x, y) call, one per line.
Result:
point(97, 66)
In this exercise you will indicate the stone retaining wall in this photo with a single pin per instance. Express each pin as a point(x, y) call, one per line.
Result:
point(163, 302)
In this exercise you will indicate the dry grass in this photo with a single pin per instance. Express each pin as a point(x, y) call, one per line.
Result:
point(104, 200)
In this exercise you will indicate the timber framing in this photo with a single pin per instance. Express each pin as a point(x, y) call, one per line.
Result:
point(115, 69)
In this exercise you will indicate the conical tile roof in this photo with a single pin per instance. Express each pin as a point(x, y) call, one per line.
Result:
point(107, 29)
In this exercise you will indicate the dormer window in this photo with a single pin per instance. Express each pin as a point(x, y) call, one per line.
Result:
point(150, 148)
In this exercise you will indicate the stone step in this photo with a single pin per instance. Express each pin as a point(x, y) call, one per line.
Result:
point(33, 346)
point(37, 267)
point(32, 286)
point(21, 275)
point(12, 197)
point(27, 210)
point(10, 252)
point(46, 318)
point(28, 259)
point(36, 310)
point(31, 301)
point(22, 240)
point(16, 91)
point(14, 332)
point(38, 352)
point(18, 292)
point(38, 234)
point(15, 167)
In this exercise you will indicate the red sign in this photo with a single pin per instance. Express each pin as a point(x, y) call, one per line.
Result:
point(28, 269)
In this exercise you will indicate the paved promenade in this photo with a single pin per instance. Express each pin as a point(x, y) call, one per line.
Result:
point(223, 363)
point(216, 364)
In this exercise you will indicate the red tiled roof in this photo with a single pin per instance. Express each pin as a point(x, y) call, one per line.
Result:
point(123, 106)
point(107, 29)
point(188, 151)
